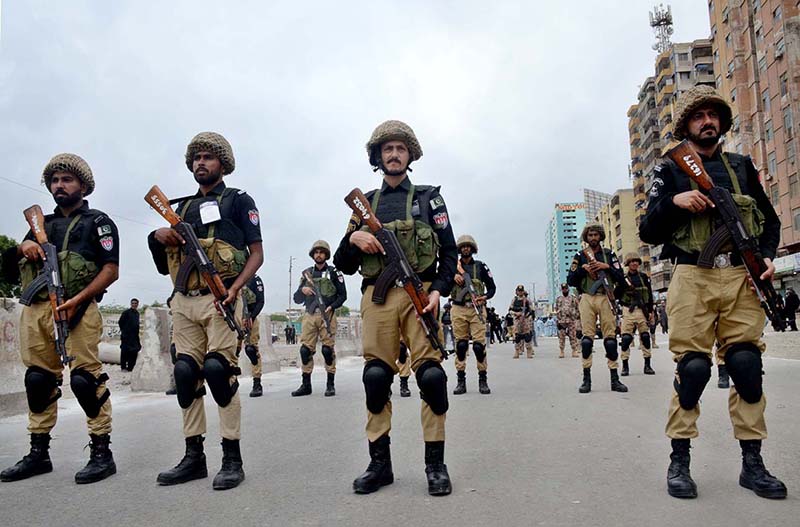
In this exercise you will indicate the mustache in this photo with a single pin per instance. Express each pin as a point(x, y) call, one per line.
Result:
point(708, 127)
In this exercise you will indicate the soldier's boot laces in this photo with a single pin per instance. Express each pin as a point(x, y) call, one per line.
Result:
point(616, 385)
point(483, 386)
point(404, 391)
point(435, 469)
point(648, 370)
point(723, 381)
point(461, 384)
point(679, 481)
point(755, 476)
point(305, 386)
point(36, 462)
point(257, 390)
point(231, 474)
point(101, 461)
point(586, 387)
point(330, 388)
point(625, 369)
point(192, 466)
point(379, 471)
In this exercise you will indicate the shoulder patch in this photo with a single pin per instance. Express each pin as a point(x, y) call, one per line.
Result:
point(252, 214)
point(107, 242)
point(437, 202)
point(103, 229)
point(441, 220)
point(655, 189)
point(340, 276)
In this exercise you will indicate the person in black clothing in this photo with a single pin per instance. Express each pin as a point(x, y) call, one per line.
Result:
point(129, 336)
point(253, 296)
point(791, 304)
point(635, 295)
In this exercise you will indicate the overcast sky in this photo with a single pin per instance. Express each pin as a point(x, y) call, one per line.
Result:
point(517, 105)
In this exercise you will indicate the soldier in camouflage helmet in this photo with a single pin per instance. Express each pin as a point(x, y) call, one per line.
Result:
point(420, 211)
point(635, 295)
point(88, 242)
point(227, 223)
point(567, 317)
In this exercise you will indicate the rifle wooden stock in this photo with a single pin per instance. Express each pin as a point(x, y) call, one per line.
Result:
point(35, 219)
point(687, 160)
point(160, 203)
point(357, 201)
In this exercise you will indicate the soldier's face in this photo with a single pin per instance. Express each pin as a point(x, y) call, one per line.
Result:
point(320, 256)
point(395, 156)
point(66, 188)
point(565, 291)
point(466, 251)
point(593, 239)
point(207, 168)
point(633, 266)
point(703, 126)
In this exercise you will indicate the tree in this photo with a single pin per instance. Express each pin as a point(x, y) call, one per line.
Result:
point(7, 289)
point(278, 317)
point(343, 311)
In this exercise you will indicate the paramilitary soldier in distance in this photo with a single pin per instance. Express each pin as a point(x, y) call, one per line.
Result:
point(594, 303)
point(330, 283)
point(253, 297)
point(712, 304)
point(419, 217)
point(567, 316)
point(88, 245)
point(523, 314)
point(465, 319)
point(636, 300)
point(226, 221)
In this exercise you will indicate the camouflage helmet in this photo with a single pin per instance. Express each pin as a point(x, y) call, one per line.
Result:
point(466, 239)
point(630, 257)
point(214, 143)
point(392, 131)
point(520, 287)
point(73, 164)
point(593, 227)
point(693, 99)
point(320, 244)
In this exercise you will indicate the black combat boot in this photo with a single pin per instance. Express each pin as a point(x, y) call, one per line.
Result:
point(192, 466)
point(483, 386)
point(436, 470)
point(679, 481)
point(723, 381)
point(257, 390)
point(330, 389)
point(404, 391)
point(171, 391)
point(616, 385)
point(379, 471)
point(648, 370)
point(586, 387)
point(101, 461)
point(36, 462)
point(461, 385)
point(231, 473)
point(305, 386)
point(625, 370)
point(755, 476)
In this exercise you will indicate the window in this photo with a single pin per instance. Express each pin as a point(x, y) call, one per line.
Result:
point(730, 68)
point(772, 164)
point(683, 57)
point(776, 15)
point(788, 122)
point(794, 186)
point(762, 63)
point(774, 195)
point(716, 56)
point(711, 5)
point(768, 131)
point(780, 47)
point(756, 5)
point(733, 95)
point(790, 153)
point(784, 84)
point(718, 82)
point(728, 40)
point(759, 36)
point(765, 100)
point(796, 216)
point(735, 124)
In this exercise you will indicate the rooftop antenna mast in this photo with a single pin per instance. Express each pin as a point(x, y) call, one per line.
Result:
point(661, 22)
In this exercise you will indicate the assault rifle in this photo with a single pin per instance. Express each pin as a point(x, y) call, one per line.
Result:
point(469, 288)
point(319, 300)
point(601, 280)
point(50, 277)
point(195, 259)
point(637, 299)
point(734, 231)
point(398, 269)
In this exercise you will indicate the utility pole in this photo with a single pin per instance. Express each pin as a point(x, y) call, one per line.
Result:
point(291, 259)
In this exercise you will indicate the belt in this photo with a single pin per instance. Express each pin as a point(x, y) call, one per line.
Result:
point(721, 261)
point(198, 292)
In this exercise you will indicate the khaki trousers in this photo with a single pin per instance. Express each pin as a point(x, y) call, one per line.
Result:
point(255, 337)
point(197, 329)
point(381, 330)
point(590, 307)
point(466, 326)
point(708, 305)
point(37, 348)
point(314, 329)
point(568, 331)
point(632, 322)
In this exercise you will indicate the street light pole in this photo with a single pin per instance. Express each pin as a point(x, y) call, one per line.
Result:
point(291, 259)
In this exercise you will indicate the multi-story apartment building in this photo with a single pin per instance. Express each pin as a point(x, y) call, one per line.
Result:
point(618, 219)
point(594, 200)
point(563, 241)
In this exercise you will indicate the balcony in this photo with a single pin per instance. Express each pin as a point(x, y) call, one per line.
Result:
point(667, 90)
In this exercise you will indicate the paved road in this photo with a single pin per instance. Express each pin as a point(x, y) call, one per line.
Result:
point(535, 452)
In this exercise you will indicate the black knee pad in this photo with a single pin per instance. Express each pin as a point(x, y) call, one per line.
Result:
point(480, 351)
point(519, 337)
point(252, 353)
point(173, 353)
point(610, 344)
point(84, 385)
point(432, 382)
point(694, 371)
point(627, 340)
point(403, 353)
point(218, 372)
point(187, 373)
point(377, 379)
point(461, 349)
point(328, 355)
point(39, 386)
point(586, 347)
point(645, 339)
point(528, 337)
point(744, 366)
point(305, 354)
